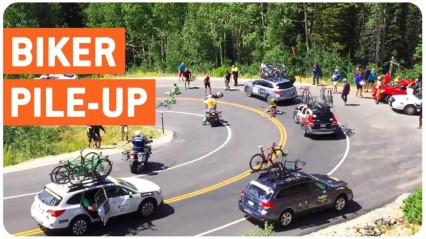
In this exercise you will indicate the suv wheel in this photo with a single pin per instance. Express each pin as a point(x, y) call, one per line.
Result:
point(147, 207)
point(286, 218)
point(268, 98)
point(248, 91)
point(340, 203)
point(305, 130)
point(410, 109)
point(79, 226)
point(386, 99)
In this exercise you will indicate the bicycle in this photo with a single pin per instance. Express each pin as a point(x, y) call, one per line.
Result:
point(305, 93)
point(96, 168)
point(60, 173)
point(257, 161)
point(279, 170)
point(326, 95)
point(272, 113)
point(347, 131)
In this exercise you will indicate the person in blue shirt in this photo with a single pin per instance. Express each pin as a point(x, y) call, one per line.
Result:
point(336, 78)
point(358, 83)
point(371, 80)
point(181, 69)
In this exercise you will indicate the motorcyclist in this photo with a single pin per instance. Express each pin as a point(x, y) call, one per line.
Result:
point(139, 145)
point(209, 104)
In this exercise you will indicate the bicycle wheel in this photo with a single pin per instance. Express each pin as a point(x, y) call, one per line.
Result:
point(77, 175)
point(257, 162)
point(61, 175)
point(279, 155)
point(103, 168)
point(276, 171)
point(53, 173)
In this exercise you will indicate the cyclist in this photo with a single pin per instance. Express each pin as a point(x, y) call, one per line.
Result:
point(272, 107)
point(209, 104)
point(174, 90)
point(215, 96)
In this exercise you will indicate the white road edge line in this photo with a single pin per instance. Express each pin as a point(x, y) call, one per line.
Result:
point(22, 195)
point(199, 158)
point(219, 228)
point(243, 219)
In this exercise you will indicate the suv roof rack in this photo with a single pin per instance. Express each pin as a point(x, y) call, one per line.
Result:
point(87, 183)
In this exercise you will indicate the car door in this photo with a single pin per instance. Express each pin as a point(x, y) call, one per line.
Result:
point(256, 87)
point(265, 89)
point(296, 197)
point(104, 208)
point(320, 197)
point(120, 200)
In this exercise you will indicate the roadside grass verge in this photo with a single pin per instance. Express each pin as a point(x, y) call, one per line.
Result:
point(58, 140)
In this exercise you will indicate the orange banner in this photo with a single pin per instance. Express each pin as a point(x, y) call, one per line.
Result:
point(64, 50)
point(79, 102)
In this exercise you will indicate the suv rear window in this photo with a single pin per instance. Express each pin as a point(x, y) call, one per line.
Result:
point(284, 85)
point(323, 116)
point(49, 198)
point(257, 192)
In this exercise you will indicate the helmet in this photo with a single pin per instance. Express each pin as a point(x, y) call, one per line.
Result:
point(220, 94)
point(272, 100)
point(210, 96)
point(137, 133)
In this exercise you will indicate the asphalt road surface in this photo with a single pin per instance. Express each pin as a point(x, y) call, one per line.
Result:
point(202, 171)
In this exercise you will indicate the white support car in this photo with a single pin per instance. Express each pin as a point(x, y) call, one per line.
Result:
point(60, 206)
point(406, 103)
point(58, 77)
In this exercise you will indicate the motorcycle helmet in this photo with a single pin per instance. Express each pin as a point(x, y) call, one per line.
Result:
point(137, 133)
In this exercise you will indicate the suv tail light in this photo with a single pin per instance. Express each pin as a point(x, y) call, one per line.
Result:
point(55, 213)
point(266, 205)
point(242, 192)
point(277, 92)
point(334, 119)
point(311, 120)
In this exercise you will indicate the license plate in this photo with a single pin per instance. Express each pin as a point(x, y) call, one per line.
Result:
point(322, 125)
point(250, 203)
point(247, 211)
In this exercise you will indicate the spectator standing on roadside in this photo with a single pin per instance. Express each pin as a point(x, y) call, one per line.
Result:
point(316, 72)
point(124, 131)
point(420, 115)
point(379, 89)
point(97, 133)
point(358, 84)
point(366, 77)
point(227, 80)
point(345, 91)
point(187, 75)
point(357, 72)
point(410, 89)
point(234, 71)
point(181, 70)
point(336, 78)
point(207, 84)
point(371, 79)
point(387, 79)
point(90, 135)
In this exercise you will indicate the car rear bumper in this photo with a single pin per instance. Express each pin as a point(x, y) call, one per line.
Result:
point(321, 131)
point(286, 97)
point(46, 221)
point(255, 214)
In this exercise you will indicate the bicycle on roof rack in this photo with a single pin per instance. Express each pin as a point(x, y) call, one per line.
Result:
point(326, 95)
point(257, 161)
point(279, 170)
point(92, 165)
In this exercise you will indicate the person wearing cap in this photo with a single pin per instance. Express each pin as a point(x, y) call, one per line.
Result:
point(336, 78)
point(371, 79)
point(345, 91)
point(366, 77)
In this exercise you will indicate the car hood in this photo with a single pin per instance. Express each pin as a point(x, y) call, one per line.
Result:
point(143, 185)
point(406, 98)
point(330, 181)
point(250, 82)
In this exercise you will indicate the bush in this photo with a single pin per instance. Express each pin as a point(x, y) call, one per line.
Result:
point(220, 71)
point(412, 207)
point(267, 231)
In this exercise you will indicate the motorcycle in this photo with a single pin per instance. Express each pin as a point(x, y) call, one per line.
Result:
point(213, 118)
point(138, 160)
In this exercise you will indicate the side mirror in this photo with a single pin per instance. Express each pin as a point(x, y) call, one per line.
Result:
point(130, 194)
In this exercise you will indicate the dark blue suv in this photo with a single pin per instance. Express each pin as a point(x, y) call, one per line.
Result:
point(301, 193)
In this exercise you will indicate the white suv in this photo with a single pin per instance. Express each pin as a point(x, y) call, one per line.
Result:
point(60, 206)
point(407, 103)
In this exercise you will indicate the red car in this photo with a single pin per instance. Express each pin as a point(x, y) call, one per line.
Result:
point(390, 90)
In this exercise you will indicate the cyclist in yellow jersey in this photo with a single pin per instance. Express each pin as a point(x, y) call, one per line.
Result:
point(272, 106)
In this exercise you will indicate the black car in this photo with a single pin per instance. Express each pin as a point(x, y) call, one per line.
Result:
point(281, 200)
point(315, 119)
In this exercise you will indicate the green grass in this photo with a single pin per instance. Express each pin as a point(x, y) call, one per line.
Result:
point(71, 139)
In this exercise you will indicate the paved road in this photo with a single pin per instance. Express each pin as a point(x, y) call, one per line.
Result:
point(383, 161)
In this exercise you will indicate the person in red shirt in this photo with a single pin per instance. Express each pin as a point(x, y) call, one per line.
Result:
point(387, 79)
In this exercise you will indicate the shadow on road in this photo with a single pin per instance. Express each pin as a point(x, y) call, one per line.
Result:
point(352, 104)
point(321, 218)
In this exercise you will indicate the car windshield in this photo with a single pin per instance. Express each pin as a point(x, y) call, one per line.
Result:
point(257, 192)
point(125, 183)
point(49, 198)
point(284, 85)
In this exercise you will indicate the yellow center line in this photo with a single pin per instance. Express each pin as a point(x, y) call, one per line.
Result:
point(282, 142)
